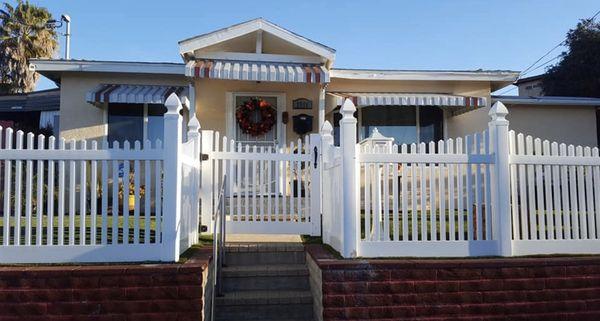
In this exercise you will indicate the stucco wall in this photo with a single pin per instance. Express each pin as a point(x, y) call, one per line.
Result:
point(81, 120)
point(211, 101)
point(562, 124)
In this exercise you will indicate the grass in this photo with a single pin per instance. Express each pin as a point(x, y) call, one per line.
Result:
point(77, 232)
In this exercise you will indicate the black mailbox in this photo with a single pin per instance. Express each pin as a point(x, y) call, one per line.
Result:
point(303, 124)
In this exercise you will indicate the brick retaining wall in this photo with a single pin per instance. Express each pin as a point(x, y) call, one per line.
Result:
point(559, 288)
point(104, 292)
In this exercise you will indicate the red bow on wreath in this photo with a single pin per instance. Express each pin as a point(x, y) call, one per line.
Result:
point(268, 117)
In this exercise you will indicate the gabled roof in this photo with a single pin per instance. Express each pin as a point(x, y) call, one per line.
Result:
point(189, 45)
point(529, 79)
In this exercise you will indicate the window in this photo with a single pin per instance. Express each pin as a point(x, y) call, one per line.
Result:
point(431, 124)
point(125, 122)
point(133, 122)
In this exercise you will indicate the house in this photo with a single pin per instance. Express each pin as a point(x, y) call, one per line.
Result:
point(31, 111)
point(572, 120)
point(291, 74)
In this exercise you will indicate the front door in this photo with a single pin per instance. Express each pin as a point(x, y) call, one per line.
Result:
point(268, 142)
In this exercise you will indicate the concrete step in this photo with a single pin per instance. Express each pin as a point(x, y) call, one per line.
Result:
point(266, 277)
point(238, 254)
point(264, 305)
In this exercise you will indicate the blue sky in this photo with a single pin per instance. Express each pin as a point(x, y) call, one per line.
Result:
point(427, 34)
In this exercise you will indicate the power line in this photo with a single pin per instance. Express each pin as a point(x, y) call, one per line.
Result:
point(553, 48)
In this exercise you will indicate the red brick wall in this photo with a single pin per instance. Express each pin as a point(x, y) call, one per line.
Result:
point(103, 292)
point(477, 289)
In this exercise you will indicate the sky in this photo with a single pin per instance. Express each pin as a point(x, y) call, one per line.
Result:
point(426, 34)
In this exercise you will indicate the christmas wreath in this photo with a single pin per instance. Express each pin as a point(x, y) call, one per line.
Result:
point(245, 112)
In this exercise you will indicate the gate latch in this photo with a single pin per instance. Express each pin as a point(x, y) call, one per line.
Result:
point(316, 155)
point(204, 157)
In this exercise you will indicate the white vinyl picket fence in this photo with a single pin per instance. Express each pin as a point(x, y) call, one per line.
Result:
point(69, 201)
point(268, 190)
point(491, 193)
point(555, 196)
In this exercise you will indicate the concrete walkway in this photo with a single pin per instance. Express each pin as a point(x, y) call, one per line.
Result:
point(263, 238)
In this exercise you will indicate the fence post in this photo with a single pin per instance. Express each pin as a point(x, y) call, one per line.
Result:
point(349, 179)
point(171, 180)
point(498, 128)
point(316, 151)
point(206, 184)
point(326, 181)
point(194, 136)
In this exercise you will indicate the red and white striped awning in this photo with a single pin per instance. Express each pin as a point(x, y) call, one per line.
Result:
point(133, 94)
point(258, 71)
point(407, 99)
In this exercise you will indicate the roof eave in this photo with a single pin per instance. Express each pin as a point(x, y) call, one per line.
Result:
point(507, 77)
point(547, 101)
point(52, 68)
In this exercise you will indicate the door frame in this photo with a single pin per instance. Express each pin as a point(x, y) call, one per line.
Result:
point(230, 125)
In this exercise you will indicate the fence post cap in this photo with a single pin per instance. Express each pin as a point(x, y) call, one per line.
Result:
point(326, 129)
point(173, 104)
point(498, 111)
point(193, 124)
point(348, 108)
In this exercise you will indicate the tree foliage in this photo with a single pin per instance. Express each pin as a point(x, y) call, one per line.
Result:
point(578, 72)
point(23, 35)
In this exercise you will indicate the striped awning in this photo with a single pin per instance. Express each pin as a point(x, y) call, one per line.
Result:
point(258, 71)
point(406, 99)
point(133, 94)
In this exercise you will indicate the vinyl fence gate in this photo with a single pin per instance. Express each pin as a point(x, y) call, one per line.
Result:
point(268, 190)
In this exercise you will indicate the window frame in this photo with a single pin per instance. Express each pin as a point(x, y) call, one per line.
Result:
point(144, 121)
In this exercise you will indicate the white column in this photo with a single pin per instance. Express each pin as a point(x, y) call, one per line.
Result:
point(206, 184)
point(350, 183)
point(321, 116)
point(315, 183)
point(192, 97)
point(172, 180)
point(498, 128)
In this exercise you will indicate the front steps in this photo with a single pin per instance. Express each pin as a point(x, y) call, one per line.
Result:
point(265, 281)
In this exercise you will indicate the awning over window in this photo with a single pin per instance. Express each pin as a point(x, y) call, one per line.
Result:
point(406, 99)
point(133, 94)
point(257, 71)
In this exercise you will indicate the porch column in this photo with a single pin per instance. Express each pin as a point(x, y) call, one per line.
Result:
point(192, 98)
point(322, 105)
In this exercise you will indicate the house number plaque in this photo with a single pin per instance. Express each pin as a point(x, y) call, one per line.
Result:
point(301, 103)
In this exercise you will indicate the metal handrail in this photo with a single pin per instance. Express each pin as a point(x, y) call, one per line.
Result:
point(219, 238)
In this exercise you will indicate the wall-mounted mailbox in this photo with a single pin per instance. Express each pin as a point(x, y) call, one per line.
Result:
point(303, 124)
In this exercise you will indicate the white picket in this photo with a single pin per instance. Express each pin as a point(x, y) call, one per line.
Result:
point(158, 194)
point(72, 194)
point(596, 175)
point(93, 197)
point(479, 217)
point(147, 196)
point(460, 192)
point(413, 196)
point(395, 198)
point(549, 208)
point(487, 177)
point(29, 193)
point(451, 195)
point(422, 191)
point(137, 196)
point(573, 196)
point(104, 204)
point(581, 196)
point(61, 195)
point(522, 190)
point(589, 197)
point(432, 193)
point(442, 193)
point(39, 191)
point(82, 196)
point(50, 195)
point(539, 188)
point(556, 195)
point(115, 198)
point(564, 179)
point(18, 190)
point(469, 193)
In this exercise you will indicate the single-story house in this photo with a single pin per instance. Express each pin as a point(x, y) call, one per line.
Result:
point(294, 85)
point(31, 111)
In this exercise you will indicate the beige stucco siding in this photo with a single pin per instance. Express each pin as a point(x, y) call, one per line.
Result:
point(81, 120)
point(562, 124)
point(211, 104)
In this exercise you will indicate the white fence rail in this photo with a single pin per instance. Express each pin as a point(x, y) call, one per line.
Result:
point(80, 201)
point(269, 190)
point(492, 193)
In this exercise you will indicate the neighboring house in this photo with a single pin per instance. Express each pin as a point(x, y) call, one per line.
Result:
point(31, 111)
point(570, 120)
point(225, 69)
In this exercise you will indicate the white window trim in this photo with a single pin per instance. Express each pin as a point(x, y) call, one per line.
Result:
point(281, 107)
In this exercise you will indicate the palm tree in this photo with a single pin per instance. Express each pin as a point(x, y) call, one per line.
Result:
point(23, 35)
